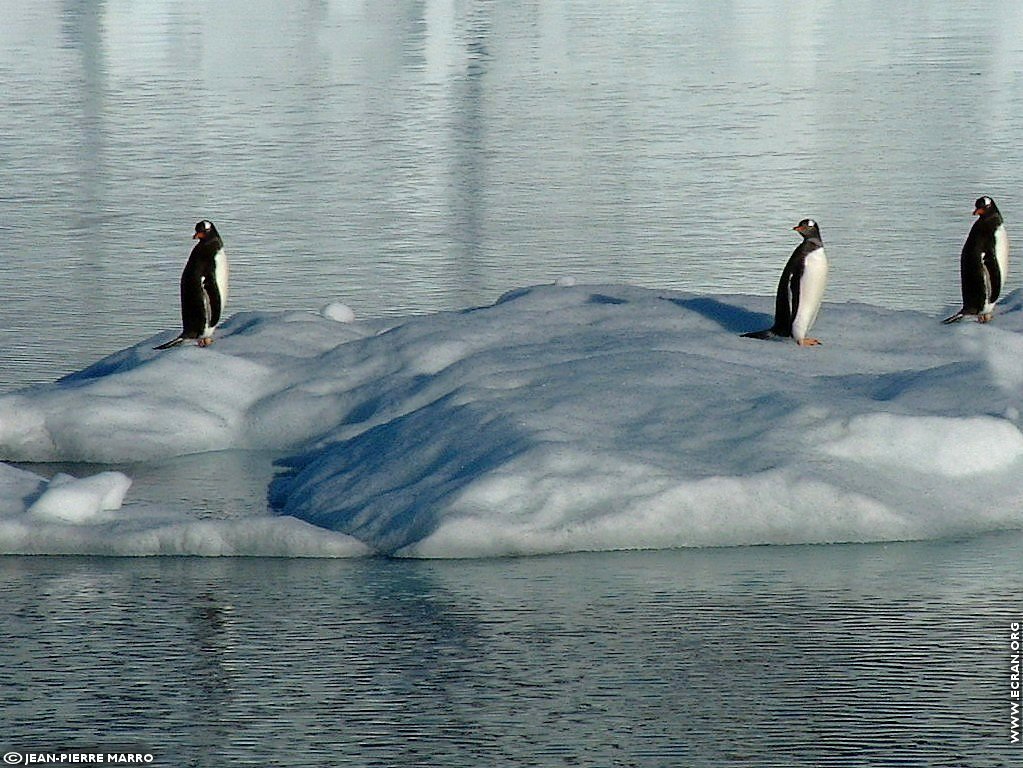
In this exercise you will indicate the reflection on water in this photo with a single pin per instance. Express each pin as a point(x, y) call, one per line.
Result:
point(858, 655)
point(412, 156)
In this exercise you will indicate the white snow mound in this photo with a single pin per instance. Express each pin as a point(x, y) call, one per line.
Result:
point(561, 418)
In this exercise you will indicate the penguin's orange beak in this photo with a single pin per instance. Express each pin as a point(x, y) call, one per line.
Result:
point(978, 212)
point(199, 235)
point(798, 228)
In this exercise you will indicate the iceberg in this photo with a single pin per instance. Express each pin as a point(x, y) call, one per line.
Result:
point(560, 418)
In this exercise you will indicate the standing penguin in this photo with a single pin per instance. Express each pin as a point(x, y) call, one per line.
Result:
point(203, 287)
point(800, 289)
point(984, 264)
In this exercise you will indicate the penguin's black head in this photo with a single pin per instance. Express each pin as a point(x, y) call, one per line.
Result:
point(204, 230)
point(984, 205)
point(808, 228)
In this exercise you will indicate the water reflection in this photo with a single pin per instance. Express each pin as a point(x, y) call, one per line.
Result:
point(875, 654)
point(411, 156)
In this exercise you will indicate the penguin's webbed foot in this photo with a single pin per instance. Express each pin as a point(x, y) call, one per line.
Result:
point(985, 318)
point(808, 342)
point(204, 341)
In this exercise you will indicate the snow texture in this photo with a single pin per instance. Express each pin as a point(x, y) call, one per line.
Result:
point(561, 418)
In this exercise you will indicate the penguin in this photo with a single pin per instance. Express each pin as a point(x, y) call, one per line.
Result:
point(984, 263)
point(800, 289)
point(203, 287)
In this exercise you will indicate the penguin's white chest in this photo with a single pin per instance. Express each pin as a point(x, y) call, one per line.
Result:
point(811, 292)
point(221, 273)
point(220, 277)
point(1002, 260)
point(1002, 253)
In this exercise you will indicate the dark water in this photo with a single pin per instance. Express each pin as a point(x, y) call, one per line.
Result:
point(773, 656)
point(414, 156)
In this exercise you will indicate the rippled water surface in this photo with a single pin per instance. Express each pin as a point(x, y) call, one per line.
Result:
point(411, 156)
point(773, 656)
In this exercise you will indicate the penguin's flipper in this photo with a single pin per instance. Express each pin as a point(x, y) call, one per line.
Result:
point(953, 319)
point(171, 343)
point(765, 334)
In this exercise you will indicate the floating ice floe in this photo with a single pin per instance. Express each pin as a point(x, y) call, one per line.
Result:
point(68, 516)
point(561, 418)
point(72, 500)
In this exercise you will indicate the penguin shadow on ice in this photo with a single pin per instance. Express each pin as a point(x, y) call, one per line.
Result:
point(800, 289)
point(203, 287)
point(729, 316)
point(984, 263)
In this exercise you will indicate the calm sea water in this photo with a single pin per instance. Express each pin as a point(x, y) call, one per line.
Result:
point(414, 156)
point(764, 656)
point(407, 156)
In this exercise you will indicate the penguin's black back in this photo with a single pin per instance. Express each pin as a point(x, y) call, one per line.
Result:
point(199, 291)
point(979, 272)
point(786, 301)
